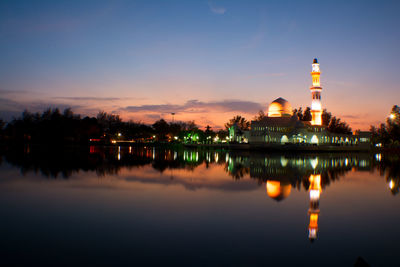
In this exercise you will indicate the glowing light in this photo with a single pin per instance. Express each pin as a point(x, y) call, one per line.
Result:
point(113, 141)
point(316, 105)
point(314, 194)
point(176, 137)
point(284, 161)
point(315, 67)
point(392, 116)
point(314, 162)
point(315, 182)
point(391, 184)
point(314, 139)
point(278, 191)
point(119, 134)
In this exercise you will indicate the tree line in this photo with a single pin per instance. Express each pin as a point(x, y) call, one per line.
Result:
point(54, 126)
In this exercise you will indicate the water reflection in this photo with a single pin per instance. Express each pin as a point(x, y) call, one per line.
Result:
point(281, 174)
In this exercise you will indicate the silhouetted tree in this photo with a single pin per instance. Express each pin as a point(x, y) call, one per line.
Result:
point(389, 133)
point(337, 126)
point(307, 114)
point(326, 117)
point(240, 121)
point(161, 129)
point(260, 116)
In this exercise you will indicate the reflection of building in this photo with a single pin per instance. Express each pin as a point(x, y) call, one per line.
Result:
point(278, 190)
point(315, 190)
point(281, 126)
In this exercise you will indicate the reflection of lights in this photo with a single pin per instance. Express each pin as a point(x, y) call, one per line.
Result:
point(346, 162)
point(216, 157)
point(312, 234)
point(314, 162)
point(314, 194)
point(130, 149)
point(119, 153)
point(175, 155)
point(378, 157)
point(284, 161)
point(391, 184)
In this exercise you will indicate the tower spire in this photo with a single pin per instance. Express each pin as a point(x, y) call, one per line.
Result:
point(316, 89)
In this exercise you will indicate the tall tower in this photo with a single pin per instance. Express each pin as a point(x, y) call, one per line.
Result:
point(316, 89)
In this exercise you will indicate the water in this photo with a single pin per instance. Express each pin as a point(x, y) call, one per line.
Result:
point(156, 206)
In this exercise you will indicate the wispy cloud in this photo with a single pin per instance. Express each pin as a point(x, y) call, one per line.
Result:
point(216, 9)
point(196, 106)
point(88, 98)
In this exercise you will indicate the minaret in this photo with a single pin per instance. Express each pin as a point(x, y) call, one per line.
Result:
point(316, 109)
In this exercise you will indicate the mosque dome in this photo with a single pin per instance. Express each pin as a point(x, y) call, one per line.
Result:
point(280, 108)
point(277, 190)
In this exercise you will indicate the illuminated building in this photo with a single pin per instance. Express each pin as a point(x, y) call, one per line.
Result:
point(316, 89)
point(314, 190)
point(280, 126)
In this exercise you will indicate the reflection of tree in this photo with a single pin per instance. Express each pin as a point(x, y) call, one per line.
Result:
point(293, 169)
point(55, 162)
point(389, 167)
point(238, 172)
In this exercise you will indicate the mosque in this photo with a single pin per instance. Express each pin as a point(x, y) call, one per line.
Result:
point(281, 126)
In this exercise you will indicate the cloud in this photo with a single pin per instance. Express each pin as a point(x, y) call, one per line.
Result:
point(351, 116)
point(196, 106)
point(88, 98)
point(13, 92)
point(216, 9)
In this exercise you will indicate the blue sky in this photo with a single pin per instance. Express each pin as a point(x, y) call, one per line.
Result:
point(127, 56)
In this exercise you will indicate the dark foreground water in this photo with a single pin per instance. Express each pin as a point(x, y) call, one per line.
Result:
point(153, 206)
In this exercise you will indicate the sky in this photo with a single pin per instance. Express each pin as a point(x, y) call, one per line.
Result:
point(205, 61)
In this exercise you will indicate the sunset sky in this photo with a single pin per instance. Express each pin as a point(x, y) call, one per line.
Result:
point(204, 60)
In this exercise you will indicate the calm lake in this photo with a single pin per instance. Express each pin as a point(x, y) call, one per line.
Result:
point(156, 206)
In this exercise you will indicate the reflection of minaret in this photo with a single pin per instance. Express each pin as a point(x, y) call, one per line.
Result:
point(316, 108)
point(315, 190)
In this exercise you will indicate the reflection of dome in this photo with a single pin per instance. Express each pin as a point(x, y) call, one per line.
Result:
point(280, 108)
point(278, 191)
